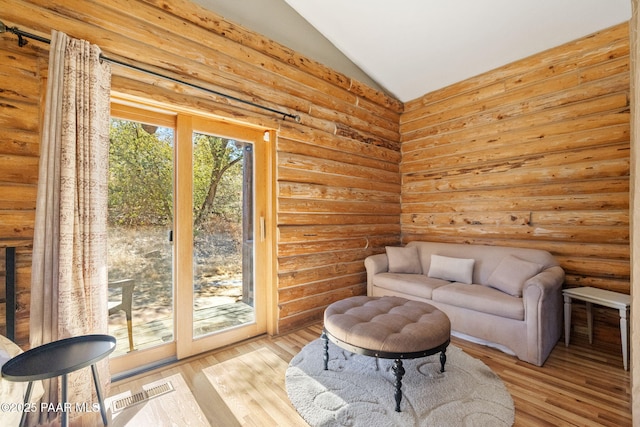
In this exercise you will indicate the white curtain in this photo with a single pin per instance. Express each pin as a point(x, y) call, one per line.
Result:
point(69, 270)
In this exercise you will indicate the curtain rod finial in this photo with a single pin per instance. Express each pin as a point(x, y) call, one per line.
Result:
point(22, 41)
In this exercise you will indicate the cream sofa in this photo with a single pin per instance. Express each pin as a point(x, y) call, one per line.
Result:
point(509, 298)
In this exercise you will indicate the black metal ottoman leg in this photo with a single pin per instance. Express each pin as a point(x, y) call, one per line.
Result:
point(443, 359)
point(325, 357)
point(398, 370)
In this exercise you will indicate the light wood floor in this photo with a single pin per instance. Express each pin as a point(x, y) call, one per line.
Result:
point(243, 385)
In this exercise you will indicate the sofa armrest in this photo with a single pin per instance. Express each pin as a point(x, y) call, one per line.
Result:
point(375, 264)
point(549, 280)
point(542, 295)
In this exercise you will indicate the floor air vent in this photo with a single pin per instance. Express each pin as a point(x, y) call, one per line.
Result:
point(140, 397)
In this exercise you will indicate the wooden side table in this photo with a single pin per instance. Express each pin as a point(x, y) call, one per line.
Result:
point(605, 298)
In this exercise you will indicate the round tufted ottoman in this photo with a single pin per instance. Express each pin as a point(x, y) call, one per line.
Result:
point(389, 328)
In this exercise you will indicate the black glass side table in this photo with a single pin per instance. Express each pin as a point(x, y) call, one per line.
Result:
point(59, 358)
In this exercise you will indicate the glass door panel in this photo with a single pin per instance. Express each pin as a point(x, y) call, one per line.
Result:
point(223, 284)
point(183, 208)
point(219, 297)
point(140, 220)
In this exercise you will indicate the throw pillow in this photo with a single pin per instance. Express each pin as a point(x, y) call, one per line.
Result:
point(452, 269)
point(404, 260)
point(510, 275)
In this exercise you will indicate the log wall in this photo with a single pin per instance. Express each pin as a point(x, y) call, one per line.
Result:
point(20, 95)
point(532, 154)
point(535, 153)
point(333, 170)
point(21, 79)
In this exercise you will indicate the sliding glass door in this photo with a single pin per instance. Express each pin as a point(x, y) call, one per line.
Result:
point(140, 248)
point(184, 215)
point(223, 294)
point(219, 206)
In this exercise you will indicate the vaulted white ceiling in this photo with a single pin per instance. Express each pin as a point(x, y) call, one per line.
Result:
point(412, 47)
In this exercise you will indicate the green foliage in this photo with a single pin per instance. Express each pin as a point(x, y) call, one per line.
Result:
point(141, 176)
point(217, 178)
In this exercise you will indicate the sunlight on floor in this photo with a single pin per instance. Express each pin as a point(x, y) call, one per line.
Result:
point(177, 407)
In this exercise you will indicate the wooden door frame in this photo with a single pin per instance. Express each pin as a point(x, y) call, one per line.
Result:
point(186, 125)
point(265, 193)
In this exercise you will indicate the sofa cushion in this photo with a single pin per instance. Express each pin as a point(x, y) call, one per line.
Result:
point(486, 258)
point(510, 275)
point(453, 269)
point(403, 260)
point(417, 285)
point(480, 298)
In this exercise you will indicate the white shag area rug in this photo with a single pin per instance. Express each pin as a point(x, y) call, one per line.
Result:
point(357, 391)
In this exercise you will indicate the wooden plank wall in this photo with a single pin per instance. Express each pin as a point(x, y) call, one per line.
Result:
point(20, 95)
point(338, 183)
point(20, 92)
point(535, 153)
point(532, 154)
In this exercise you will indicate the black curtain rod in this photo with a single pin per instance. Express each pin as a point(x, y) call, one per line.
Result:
point(22, 42)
